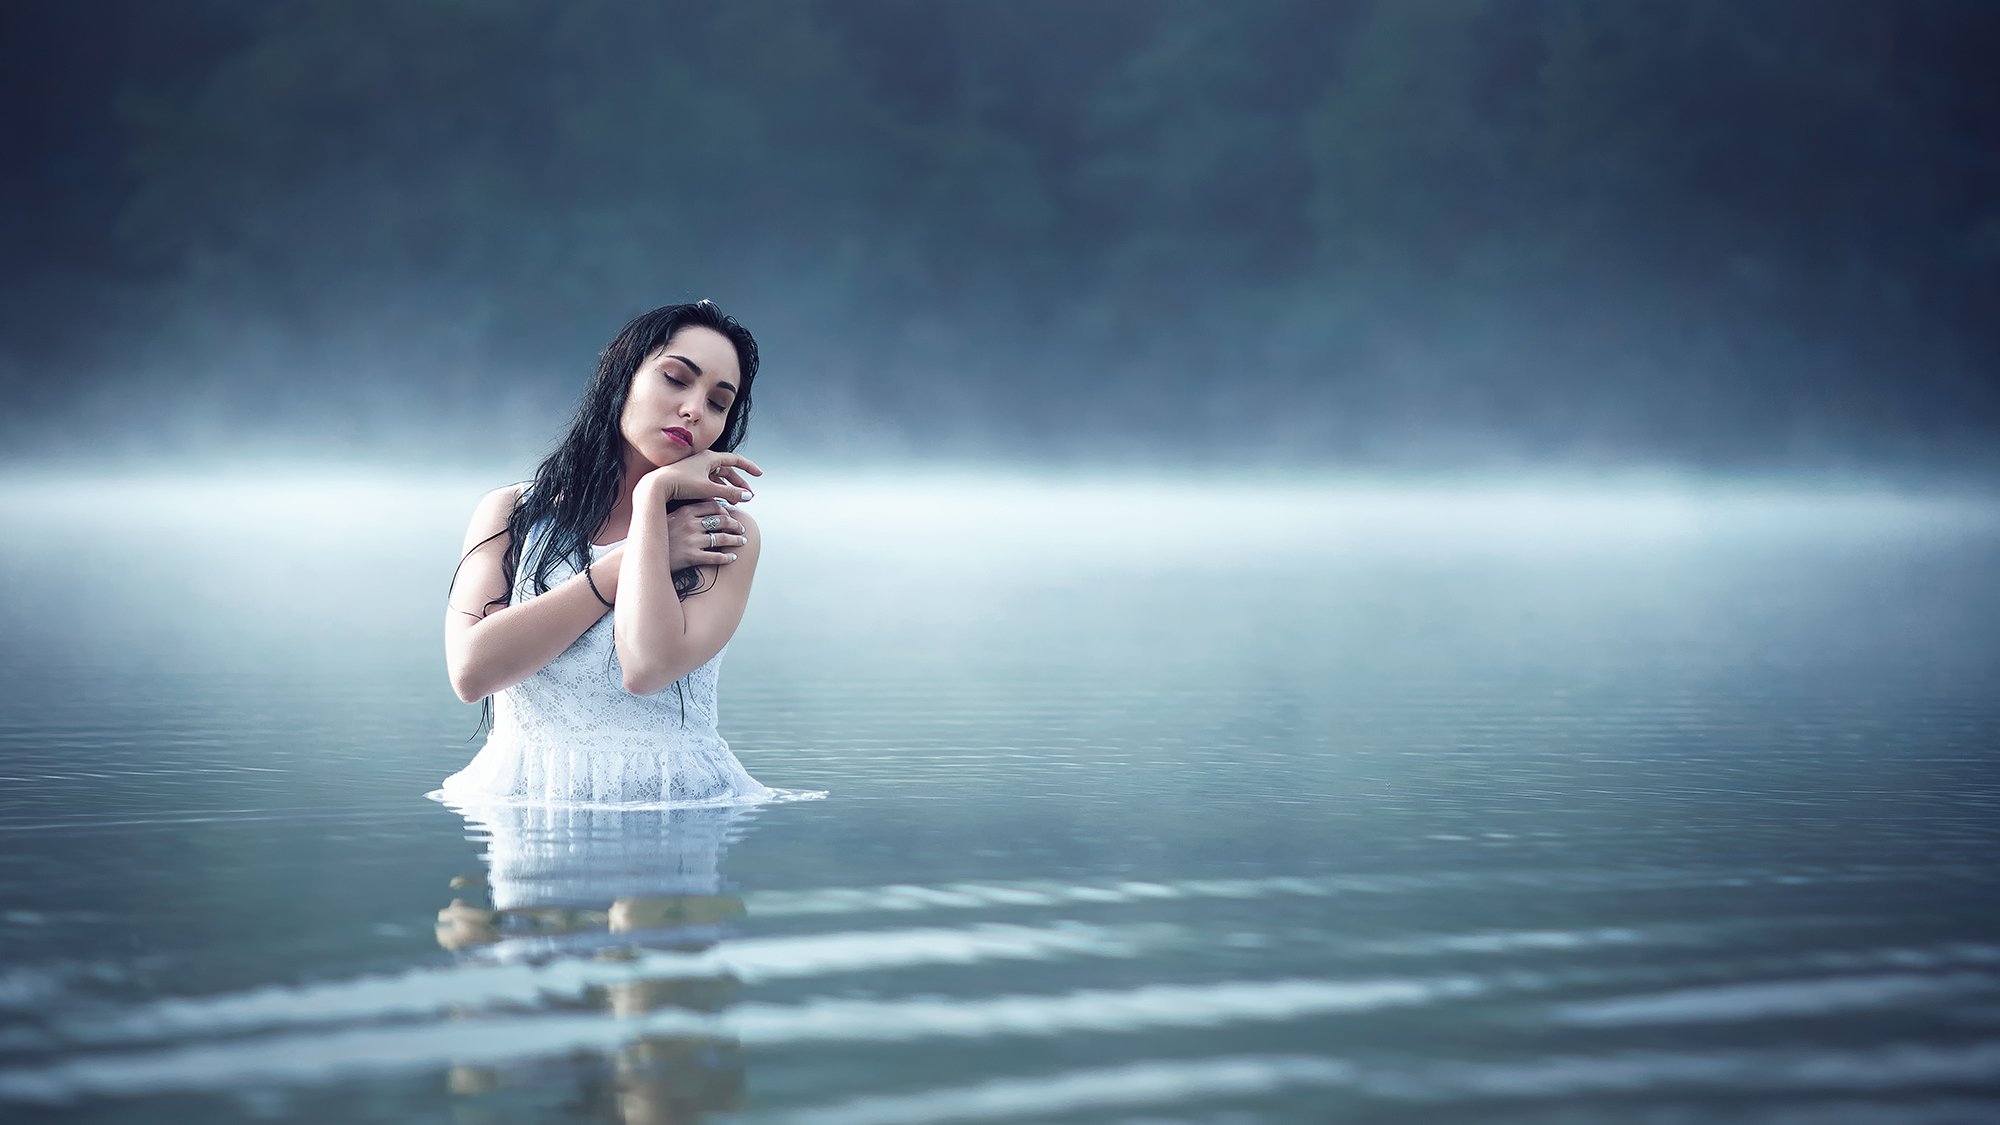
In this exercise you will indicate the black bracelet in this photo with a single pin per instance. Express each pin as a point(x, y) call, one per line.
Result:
point(593, 587)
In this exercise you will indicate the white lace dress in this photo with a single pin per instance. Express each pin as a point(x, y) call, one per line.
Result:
point(571, 734)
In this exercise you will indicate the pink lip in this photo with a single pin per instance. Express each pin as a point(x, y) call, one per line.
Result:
point(679, 435)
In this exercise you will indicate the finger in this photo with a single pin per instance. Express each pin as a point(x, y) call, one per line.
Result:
point(739, 461)
point(722, 541)
point(697, 521)
point(713, 558)
point(727, 475)
point(721, 490)
point(722, 509)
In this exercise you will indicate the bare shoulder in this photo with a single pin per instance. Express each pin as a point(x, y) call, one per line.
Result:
point(502, 500)
point(490, 517)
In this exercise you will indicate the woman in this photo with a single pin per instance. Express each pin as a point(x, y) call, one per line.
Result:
point(618, 572)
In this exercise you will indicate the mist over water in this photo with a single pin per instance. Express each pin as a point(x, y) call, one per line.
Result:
point(1148, 795)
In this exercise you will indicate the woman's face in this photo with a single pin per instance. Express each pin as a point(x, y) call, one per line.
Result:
point(680, 396)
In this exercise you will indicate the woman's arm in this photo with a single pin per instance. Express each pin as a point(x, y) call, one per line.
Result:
point(490, 645)
point(660, 637)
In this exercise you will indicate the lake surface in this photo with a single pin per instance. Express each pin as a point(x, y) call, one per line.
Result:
point(1146, 802)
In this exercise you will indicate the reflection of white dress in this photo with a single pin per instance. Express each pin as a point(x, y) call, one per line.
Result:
point(555, 856)
point(571, 733)
point(568, 857)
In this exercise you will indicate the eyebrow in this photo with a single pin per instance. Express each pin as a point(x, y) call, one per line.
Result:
point(696, 368)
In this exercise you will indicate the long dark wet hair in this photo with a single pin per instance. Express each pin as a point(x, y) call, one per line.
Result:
point(576, 485)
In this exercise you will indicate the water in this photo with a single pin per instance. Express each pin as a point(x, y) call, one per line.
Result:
point(1148, 802)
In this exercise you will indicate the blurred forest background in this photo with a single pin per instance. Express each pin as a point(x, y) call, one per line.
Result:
point(1747, 234)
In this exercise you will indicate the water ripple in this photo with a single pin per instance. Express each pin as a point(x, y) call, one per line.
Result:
point(309, 1057)
point(465, 987)
point(1037, 893)
point(1097, 1090)
point(1735, 1002)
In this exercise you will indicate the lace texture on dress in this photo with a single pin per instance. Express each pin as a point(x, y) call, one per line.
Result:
point(571, 734)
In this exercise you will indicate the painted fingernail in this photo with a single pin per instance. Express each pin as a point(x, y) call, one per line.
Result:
point(732, 558)
point(746, 494)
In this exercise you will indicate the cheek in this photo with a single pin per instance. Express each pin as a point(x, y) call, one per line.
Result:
point(632, 416)
point(636, 406)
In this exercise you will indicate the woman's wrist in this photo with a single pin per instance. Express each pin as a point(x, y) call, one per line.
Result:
point(590, 580)
point(649, 501)
point(604, 573)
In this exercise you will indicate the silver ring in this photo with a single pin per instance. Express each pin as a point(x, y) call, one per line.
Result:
point(711, 523)
point(711, 540)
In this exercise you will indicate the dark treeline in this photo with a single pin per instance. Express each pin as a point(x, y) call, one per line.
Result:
point(1406, 231)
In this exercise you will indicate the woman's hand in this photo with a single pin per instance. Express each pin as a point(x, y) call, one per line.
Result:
point(702, 476)
point(703, 534)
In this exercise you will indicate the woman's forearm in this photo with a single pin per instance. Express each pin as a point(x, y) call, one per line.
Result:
point(514, 642)
point(649, 626)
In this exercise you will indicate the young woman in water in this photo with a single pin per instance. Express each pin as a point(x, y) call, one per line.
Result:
point(593, 603)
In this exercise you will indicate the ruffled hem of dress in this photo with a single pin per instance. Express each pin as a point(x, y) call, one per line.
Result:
point(581, 773)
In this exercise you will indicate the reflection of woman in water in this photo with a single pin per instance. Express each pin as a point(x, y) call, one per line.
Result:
point(619, 886)
point(619, 572)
